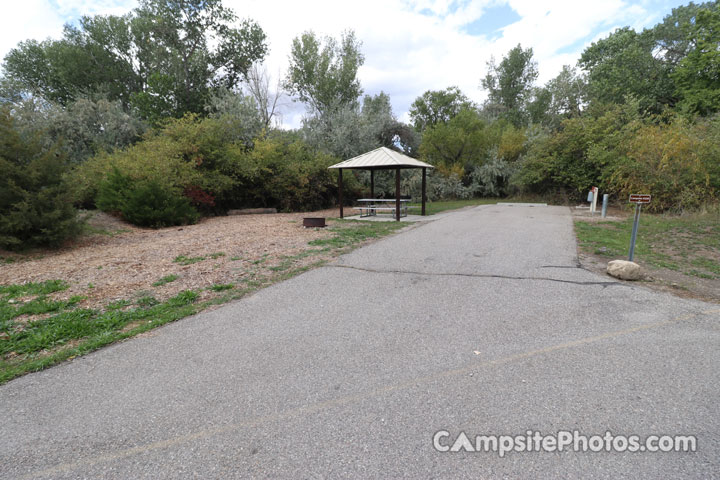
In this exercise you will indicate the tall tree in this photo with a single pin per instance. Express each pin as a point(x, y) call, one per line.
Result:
point(323, 73)
point(164, 58)
point(268, 101)
point(623, 64)
point(697, 76)
point(459, 144)
point(438, 106)
point(509, 85)
point(562, 97)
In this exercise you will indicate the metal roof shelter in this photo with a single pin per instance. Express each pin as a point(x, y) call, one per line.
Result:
point(382, 159)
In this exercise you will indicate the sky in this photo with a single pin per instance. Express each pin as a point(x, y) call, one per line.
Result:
point(409, 46)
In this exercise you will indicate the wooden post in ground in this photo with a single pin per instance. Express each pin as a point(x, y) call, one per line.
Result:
point(424, 189)
point(397, 194)
point(340, 196)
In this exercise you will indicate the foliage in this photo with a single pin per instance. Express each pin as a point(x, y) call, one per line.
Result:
point(348, 132)
point(509, 85)
point(183, 153)
point(35, 201)
point(147, 203)
point(81, 129)
point(459, 142)
point(159, 58)
point(623, 64)
point(208, 161)
point(562, 97)
point(669, 161)
point(239, 112)
point(621, 152)
point(698, 74)
point(438, 106)
point(323, 73)
point(492, 178)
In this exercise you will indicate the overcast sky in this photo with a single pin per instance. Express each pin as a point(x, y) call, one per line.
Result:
point(409, 46)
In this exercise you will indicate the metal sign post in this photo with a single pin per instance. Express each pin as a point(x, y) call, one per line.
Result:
point(638, 200)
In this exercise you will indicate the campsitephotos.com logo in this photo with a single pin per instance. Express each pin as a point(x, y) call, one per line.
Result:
point(563, 440)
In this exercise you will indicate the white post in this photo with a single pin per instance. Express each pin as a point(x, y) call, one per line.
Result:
point(593, 206)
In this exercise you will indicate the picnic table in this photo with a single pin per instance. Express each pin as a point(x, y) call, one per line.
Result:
point(371, 206)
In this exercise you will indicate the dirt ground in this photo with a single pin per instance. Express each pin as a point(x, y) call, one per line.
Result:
point(661, 279)
point(118, 261)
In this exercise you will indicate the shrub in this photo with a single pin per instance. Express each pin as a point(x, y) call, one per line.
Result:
point(35, 203)
point(147, 203)
point(215, 168)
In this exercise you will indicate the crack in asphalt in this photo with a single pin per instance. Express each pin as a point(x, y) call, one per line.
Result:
point(479, 275)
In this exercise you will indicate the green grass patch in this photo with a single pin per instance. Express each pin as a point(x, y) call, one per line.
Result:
point(219, 287)
point(25, 289)
point(40, 343)
point(687, 244)
point(217, 255)
point(165, 280)
point(351, 232)
point(184, 260)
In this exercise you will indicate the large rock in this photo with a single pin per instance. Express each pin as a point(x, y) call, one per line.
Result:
point(624, 270)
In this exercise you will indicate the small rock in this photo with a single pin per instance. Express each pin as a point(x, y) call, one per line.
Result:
point(624, 270)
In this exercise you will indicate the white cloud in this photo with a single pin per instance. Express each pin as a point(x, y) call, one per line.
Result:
point(410, 46)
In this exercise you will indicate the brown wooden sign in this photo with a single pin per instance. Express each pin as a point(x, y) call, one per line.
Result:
point(638, 198)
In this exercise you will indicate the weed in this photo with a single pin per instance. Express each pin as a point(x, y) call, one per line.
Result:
point(147, 301)
point(260, 260)
point(184, 260)
point(165, 280)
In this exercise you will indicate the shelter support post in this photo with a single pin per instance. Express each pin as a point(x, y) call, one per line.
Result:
point(340, 195)
point(424, 189)
point(397, 194)
point(372, 183)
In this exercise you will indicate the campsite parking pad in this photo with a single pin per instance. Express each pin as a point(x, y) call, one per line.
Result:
point(480, 321)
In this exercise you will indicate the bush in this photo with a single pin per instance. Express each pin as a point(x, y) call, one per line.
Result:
point(215, 168)
point(147, 203)
point(36, 206)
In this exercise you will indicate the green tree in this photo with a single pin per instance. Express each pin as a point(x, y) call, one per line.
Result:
point(164, 58)
point(456, 146)
point(35, 201)
point(509, 85)
point(81, 129)
point(623, 64)
point(562, 97)
point(438, 106)
point(323, 73)
point(697, 75)
point(674, 37)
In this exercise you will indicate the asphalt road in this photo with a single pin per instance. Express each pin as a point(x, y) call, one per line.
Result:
point(479, 322)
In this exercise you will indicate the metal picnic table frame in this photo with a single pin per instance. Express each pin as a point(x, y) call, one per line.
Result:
point(373, 205)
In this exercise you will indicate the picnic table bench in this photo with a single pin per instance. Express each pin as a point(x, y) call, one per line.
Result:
point(372, 206)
